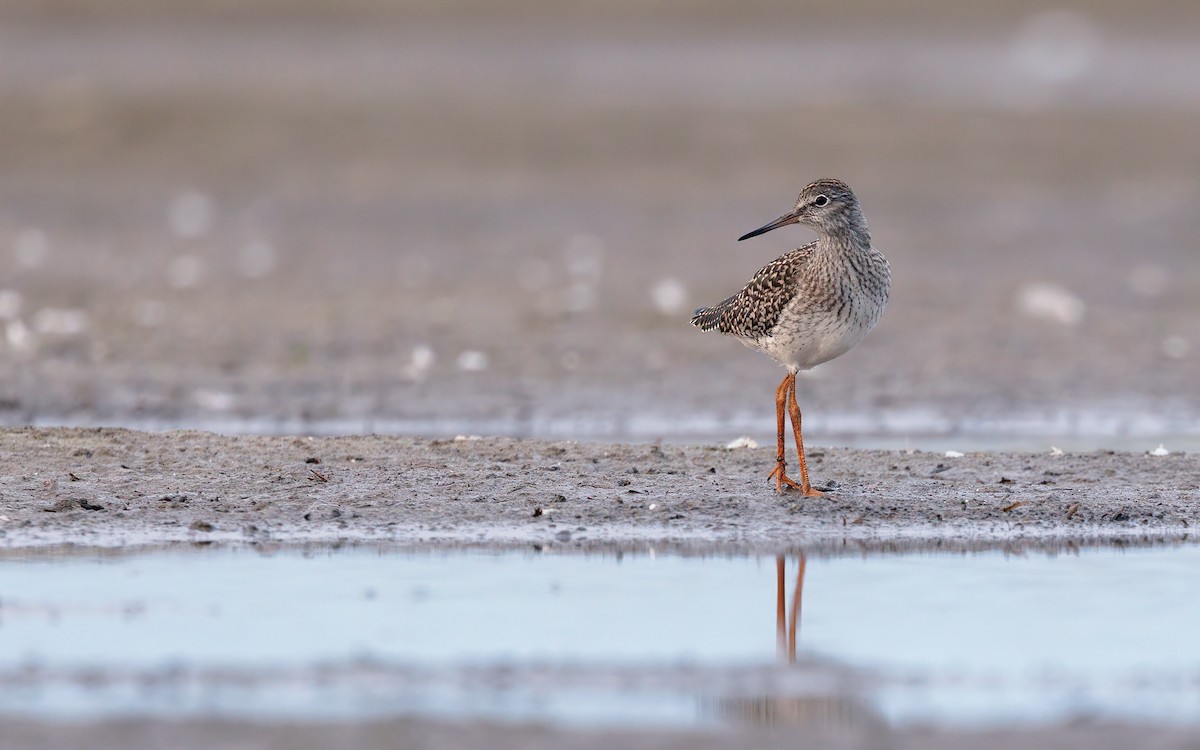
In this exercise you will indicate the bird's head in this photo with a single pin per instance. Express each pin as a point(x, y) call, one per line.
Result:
point(828, 206)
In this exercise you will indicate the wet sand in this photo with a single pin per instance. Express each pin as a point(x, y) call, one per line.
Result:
point(122, 488)
point(431, 734)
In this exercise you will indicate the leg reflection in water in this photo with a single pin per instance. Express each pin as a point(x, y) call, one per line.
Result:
point(787, 624)
point(820, 706)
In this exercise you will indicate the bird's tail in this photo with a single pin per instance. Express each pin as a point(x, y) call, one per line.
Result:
point(709, 318)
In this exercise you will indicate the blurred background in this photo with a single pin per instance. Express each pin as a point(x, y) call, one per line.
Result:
point(477, 217)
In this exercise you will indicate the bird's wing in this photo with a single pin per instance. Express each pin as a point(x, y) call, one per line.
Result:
point(755, 310)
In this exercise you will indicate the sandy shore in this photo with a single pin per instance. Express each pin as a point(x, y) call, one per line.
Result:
point(112, 487)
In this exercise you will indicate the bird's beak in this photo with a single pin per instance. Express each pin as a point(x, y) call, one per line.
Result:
point(782, 221)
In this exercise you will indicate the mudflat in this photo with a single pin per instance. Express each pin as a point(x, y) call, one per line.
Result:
point(111, 487)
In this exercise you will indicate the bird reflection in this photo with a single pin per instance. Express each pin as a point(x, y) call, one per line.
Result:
point(787, 623)
point(840, 708)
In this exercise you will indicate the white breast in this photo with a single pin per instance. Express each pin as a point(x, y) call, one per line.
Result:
point(805, 338)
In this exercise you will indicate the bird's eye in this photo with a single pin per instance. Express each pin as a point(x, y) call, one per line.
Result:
point(820, 200)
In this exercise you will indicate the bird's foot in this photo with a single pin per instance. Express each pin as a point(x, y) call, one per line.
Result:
point(782, 480)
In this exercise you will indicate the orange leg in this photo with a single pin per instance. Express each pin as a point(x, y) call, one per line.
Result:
point(794, 412)
point(778, 474)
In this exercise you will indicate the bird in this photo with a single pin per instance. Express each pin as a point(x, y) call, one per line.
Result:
point(809, 305)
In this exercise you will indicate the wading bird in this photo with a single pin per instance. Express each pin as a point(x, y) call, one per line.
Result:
point(809, 305)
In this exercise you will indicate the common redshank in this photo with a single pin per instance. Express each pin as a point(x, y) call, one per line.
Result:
point(809, 305)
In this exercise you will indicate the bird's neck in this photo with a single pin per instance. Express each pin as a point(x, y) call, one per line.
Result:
point(848, 235)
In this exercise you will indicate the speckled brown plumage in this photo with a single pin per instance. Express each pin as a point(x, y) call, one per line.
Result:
point(754, 311)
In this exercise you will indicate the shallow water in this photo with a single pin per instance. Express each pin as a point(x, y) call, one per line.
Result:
point(920, 429)
point(979, 639)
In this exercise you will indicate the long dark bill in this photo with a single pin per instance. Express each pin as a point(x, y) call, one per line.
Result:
point(782, 221)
